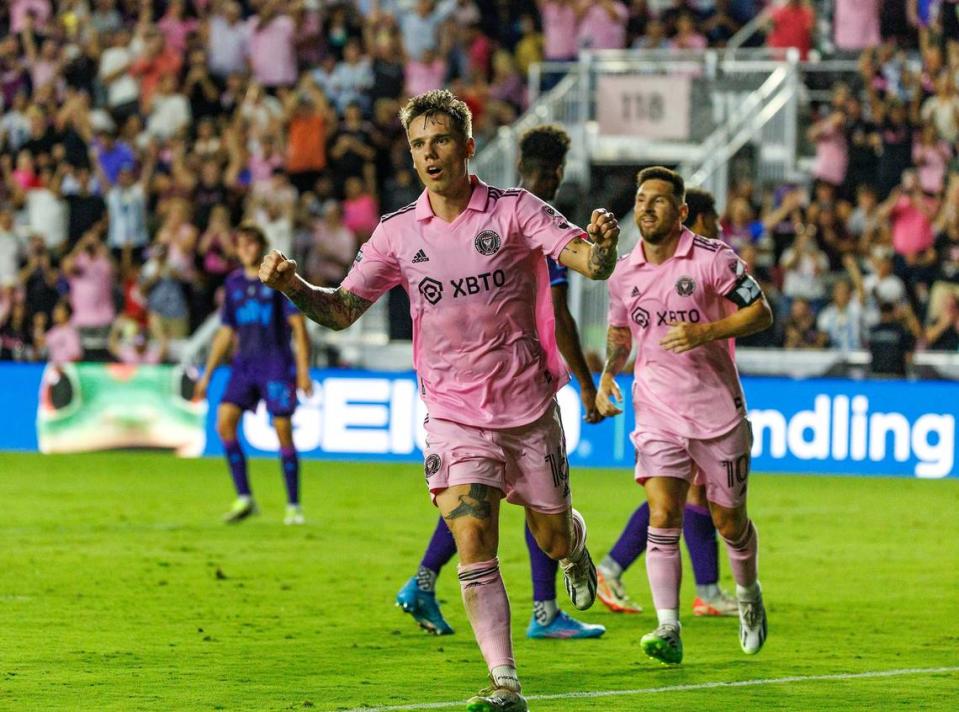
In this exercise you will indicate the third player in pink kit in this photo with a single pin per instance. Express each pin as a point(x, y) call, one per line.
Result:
point(670, 296)
point(471, 258)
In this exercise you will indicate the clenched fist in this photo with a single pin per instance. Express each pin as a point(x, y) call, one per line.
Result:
point(603, 228)
point(277, 271)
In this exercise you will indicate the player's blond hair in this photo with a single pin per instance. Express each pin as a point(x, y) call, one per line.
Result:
point(439, 101)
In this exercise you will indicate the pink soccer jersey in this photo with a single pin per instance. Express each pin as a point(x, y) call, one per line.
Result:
point(483, 342)
point(696, 394)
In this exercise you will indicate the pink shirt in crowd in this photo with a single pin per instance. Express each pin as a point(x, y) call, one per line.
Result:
point(911, 229)
point(483, 341)
point(63, 344)
point(361, 214)
point(931, 163)
point(559, 31)
point(856, 24)
point(272, 54)
point(597, 30)
point(422, 77)
point(91, 291)
point(176, 32)
point(696, 394)
point(832, 156)
point(20, 8)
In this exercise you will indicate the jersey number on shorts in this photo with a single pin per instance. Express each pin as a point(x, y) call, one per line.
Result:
point(736, 470)
point(559, 466)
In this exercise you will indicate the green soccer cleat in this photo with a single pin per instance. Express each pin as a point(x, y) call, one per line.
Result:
point(243, 507)
point(497, 699)
point(664, 644)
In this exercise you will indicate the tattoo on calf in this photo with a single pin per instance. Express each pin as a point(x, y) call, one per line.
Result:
point(475, 504)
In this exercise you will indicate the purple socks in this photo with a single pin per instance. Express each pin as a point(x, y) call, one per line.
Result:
point(698, 530)
point(291, 474)
point(543, 570)
point(237, 461)
point(441, 548)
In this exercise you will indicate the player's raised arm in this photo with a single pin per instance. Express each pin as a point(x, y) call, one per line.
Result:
point(619, 344)
point(333, 308)
point(594, 258)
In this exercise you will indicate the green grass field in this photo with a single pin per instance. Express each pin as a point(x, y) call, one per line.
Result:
point(121, 590)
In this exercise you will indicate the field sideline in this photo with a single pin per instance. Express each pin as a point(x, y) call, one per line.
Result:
point(120, 590)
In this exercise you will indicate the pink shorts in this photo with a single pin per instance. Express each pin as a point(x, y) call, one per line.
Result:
point(528, 463)
point(721, 464)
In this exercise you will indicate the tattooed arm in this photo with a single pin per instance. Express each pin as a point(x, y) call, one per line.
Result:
point(333, 308)
point(595, 259)
point(619, 343)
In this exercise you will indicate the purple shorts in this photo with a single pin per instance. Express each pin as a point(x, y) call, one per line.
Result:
point(246, 389)
point(527, 464)
point(721, 464)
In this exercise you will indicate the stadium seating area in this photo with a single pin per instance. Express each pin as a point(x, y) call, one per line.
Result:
point(136, 134)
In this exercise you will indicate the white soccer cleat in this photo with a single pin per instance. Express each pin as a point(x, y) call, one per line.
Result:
point(580, 575)
point(294, 515)
point(752, 623)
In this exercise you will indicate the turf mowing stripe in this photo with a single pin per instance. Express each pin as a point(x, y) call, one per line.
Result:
point(678, 688)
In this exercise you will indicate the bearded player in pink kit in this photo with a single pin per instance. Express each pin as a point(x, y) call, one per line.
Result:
point(471, 258)
point(669, 295)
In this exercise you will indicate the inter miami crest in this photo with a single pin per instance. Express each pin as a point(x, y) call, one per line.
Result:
point(431, 290)
point(487, 243)
point(685, 286)
point(432, 465)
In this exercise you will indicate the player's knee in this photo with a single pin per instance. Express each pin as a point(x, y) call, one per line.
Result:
point(474, 541)
point(226, 429)
point(730, 523)
point(665, 515)
point(555, 544)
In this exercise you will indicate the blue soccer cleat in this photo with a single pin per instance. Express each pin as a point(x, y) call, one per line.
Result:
point(423, 607)
point(564, 627)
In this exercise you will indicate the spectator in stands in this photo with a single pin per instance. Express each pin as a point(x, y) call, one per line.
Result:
point(602, 24)
point(842, 319)
point(308, 119)
point(931, 157)
point(800, 330)
point(829, 136)
point(271, 48)
point(687, 37)
point(529, 48)
point(10, 249)
point(332, 247)
point(352, 78)
point(942, 110)
point(167, 306)
point(39, 278)
point(856, 24)
point(90, 274)
point(942, 334)
point(127, 206)
point(350, 148)
point(361, 209)
point(420, 28)
point(16, 333)
point(792, 25)
point(804, 266)
point(424, 74)
point(226, 39)
point(896, 152)
point(131, 343)
point(169, 110)
point(560, 20)
point(86, 209)
point(890, 343)
point(157, 61)
point(910, 213)
point(61, 343)
point(217, 252)
point(862, 145)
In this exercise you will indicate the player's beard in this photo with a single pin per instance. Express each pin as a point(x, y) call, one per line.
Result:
point(656, 234)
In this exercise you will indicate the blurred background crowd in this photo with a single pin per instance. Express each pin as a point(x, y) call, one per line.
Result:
point(135, 135)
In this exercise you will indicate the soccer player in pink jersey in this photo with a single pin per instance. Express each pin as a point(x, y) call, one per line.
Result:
point(698, 529)
point(669, 296)
point(471, 258)
point(542, 162)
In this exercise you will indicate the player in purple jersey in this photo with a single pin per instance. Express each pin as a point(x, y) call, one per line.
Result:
point(471, 258)
point(672, 297)
point(698, 529)
point(260, 322)
point(541, 165)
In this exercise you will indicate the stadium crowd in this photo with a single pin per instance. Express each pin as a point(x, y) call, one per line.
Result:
point(136, 135)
